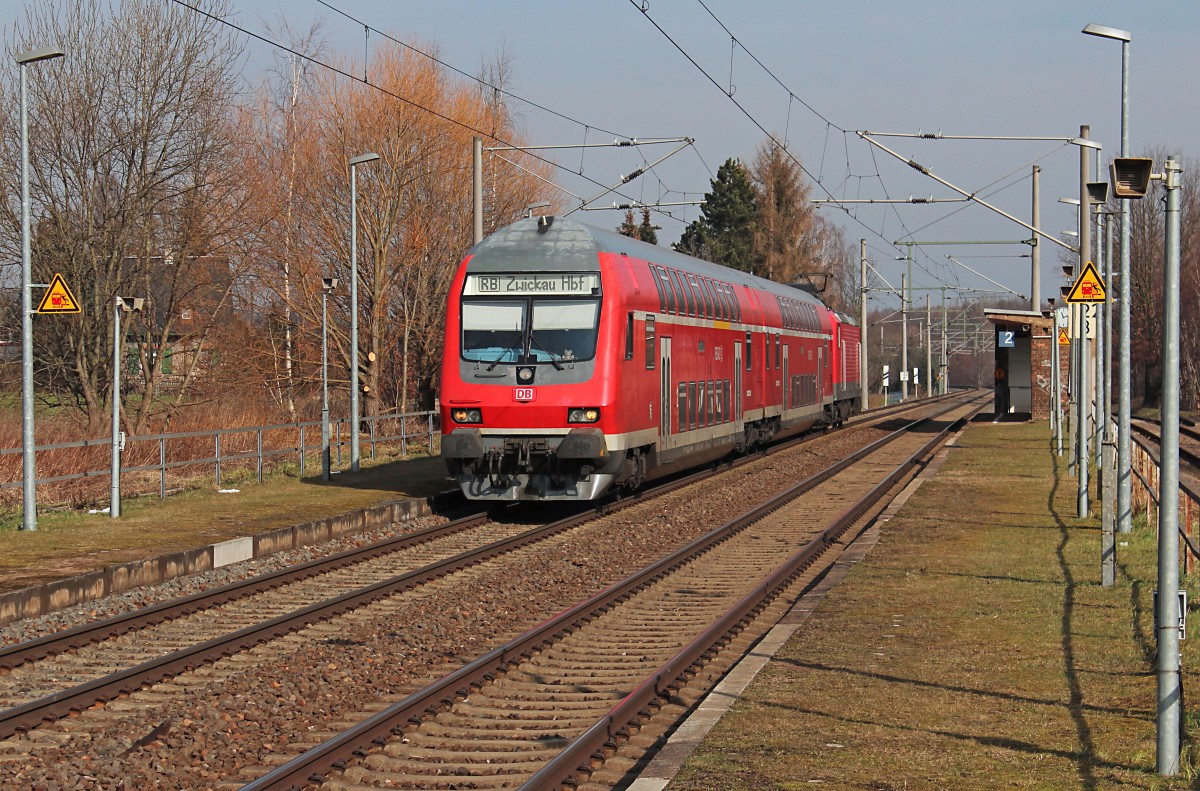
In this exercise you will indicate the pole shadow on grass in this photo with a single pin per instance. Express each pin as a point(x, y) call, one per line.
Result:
point(1016, 745)
point(1085, 761)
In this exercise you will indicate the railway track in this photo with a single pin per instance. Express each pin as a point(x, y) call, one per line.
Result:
point(74, 672)
point(553, 704)
point(1189, 445)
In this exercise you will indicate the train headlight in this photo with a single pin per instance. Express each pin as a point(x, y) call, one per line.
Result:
point(588, 414)
point(467, 416)
point(525, 375)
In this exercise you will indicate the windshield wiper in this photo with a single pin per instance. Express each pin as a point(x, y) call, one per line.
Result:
point(499, 359)
point(553, 356)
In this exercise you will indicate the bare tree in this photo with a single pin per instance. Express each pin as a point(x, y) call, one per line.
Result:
point(129, 154)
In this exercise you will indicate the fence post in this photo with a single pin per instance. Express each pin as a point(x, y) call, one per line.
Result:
point(217, 444)
point(403, 438)
point(431, 433)
point(338, 433)
point(301, 450)
point(162, 468)
point(258, 434)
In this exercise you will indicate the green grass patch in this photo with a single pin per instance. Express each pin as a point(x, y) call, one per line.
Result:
point(974, 648)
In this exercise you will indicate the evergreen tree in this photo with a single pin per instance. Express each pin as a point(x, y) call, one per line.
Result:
point(646, 231)
point(725, 232)
point(628, 228)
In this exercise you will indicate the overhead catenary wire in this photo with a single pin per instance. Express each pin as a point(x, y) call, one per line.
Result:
point(342, 72)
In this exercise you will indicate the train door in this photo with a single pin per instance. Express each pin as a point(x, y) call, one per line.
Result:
point(666, 393)
point(820, 394)
point(787, 382)
point(738, 392)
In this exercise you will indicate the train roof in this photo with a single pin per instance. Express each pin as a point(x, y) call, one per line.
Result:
point(561, 245)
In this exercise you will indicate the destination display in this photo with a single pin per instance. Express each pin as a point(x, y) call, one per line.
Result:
point(523, 285)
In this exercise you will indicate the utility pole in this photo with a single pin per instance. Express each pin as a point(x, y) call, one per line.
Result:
point(1035, 280)
point(928, 345)
point(1170, 687)
point(904, 332)
point(864, 367)
point(1085, 248)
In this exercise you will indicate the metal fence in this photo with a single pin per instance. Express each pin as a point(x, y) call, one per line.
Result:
point(151, 456)
point(1144, 466)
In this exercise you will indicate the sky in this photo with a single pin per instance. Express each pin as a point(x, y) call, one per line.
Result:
point(814, 74)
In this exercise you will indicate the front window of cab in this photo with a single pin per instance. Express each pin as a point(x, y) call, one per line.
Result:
point(530, 318)
point(536, 330)
point(493, 330)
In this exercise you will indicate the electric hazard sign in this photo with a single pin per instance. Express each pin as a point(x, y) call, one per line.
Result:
point(1088, 286)
point(58, 298)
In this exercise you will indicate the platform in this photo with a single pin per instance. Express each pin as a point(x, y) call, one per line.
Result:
point(972, 647)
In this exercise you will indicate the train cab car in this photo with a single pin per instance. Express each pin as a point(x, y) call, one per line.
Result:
point(577, 359)
point(847, 389)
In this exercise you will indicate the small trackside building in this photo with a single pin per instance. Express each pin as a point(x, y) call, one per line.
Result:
point(1023, 360)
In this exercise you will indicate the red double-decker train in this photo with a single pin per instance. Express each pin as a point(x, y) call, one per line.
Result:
point(577, 360)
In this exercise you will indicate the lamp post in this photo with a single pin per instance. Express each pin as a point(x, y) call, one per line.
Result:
point(354, 163)
point(1131, 180)
point(120, 305)
point(328, 284)
point(1124, 474)
point(28, 457)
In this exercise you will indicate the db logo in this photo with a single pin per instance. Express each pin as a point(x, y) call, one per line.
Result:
point(523, 393)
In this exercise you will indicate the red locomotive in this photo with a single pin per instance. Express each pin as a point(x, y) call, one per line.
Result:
point(578, 359)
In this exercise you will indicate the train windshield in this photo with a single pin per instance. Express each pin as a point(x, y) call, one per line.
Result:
point(537, 330)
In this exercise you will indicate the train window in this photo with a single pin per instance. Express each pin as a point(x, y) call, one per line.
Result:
point(737, 306)
point(728, 403)
point(718, 405)
point(629, 336)
point(493, 331)
point(662, 294)
point(724, 300)
point(702, 404)
point(703, 306)
point(681, 424)
point(696, 295)
point(691, 399)
point(778, 350)
point(687, 294)
point(563, 330)
point(665, 284)
point(681, 307)
point(749, 350)
point(651, 354)
point(712, 299)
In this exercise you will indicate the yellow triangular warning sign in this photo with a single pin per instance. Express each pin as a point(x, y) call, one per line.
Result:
point(58, 298)
point(1063, 338)
point(1088, 286)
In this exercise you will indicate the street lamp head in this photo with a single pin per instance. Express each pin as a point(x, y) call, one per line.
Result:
point(1072, 201)
point(133, 304)
point(329, 283)
point(34, 55)
point(363, 158)
point(1086, 143)
point(1103, 31)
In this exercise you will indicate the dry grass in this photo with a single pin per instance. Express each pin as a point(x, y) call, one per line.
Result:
point(973, 649)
